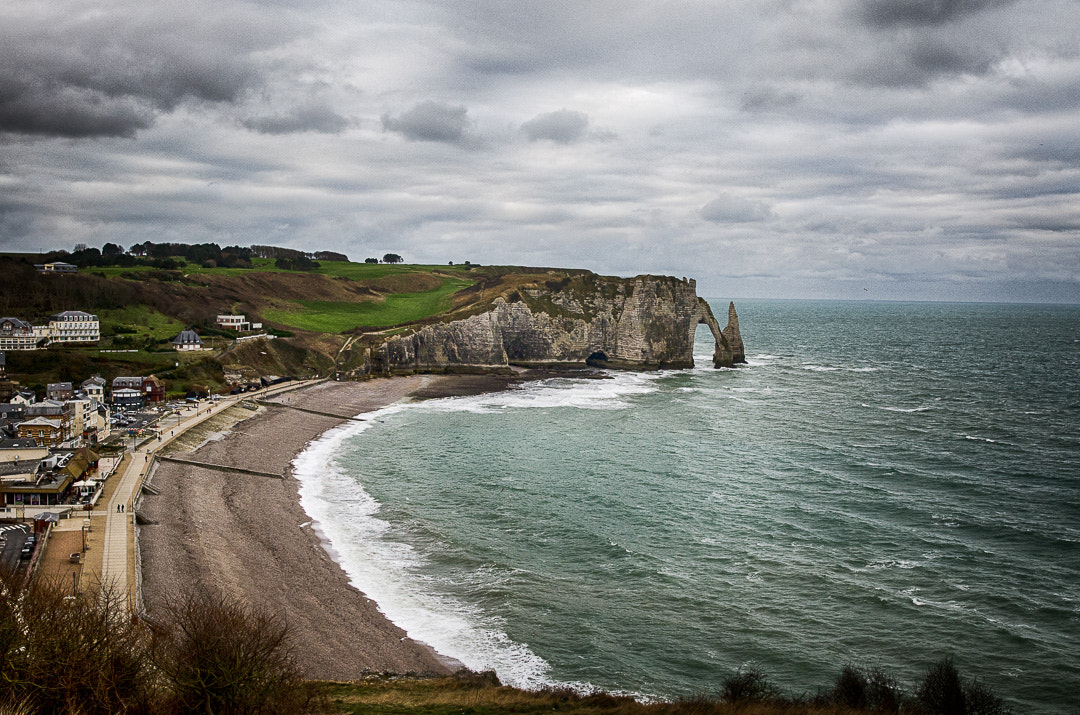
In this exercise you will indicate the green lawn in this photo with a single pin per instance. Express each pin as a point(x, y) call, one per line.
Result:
point(144, 320)
point(316, 316)
point(398, 308)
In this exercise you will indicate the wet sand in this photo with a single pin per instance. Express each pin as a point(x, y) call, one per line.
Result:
point(247, 536)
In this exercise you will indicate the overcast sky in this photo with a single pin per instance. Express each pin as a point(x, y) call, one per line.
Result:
point(925, 149)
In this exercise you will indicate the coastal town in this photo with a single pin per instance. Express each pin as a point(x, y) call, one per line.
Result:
point(73, 455)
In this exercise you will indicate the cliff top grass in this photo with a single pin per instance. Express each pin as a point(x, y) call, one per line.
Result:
point(388, 310)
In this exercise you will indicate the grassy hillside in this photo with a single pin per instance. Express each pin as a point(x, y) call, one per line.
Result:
point(141, 309)
point(409, 303)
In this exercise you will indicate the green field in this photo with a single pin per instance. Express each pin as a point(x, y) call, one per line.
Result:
point(140, 318)
point(397, 308)
point(317, 316)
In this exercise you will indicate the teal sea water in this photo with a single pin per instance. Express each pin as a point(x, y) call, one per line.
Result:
point(883, 484)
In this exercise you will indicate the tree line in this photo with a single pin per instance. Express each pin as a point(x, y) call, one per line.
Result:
point(171, 256)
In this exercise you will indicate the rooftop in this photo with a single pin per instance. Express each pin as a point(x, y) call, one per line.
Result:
point(187, 337)
point(18, 443)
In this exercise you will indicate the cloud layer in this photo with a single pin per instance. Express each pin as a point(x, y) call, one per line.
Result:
point(817, 148)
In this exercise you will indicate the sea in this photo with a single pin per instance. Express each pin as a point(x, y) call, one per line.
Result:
point(883, 485)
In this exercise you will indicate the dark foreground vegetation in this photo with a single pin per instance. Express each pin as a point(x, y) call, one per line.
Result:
point(208, 653)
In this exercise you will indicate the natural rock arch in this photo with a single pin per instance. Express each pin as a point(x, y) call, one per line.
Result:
point(728, 349)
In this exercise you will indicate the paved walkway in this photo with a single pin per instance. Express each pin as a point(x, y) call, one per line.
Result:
point(118, 551)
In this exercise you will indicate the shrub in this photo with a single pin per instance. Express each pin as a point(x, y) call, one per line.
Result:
point(746, 686)
point(943, 693)
point(64, 653)
point(219, 655)
point(981, 700)
point(850, 688)
point(859, 688)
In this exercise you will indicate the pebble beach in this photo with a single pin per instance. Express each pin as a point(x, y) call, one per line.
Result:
point(247, 536)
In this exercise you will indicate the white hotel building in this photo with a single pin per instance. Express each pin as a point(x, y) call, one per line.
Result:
point(71, 326)
point(239, 323)
point(74, 326)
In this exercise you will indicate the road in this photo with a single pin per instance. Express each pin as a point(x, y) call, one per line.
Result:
point(12, 537)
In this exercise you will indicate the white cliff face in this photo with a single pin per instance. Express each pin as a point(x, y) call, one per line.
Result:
point(647, 322)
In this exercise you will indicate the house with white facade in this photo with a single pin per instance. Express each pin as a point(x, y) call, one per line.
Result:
point(71, 326)
point(90, 422)
point(94, 388)
point(187, 340)
point(126, 398)
point(239, 323)
point(16, 334)
point(74, 326)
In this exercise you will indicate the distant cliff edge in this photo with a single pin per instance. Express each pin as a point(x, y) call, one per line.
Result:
point(641, 323)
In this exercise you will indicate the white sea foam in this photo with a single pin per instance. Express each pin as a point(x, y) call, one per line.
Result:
point(886, 408)
point(346, 518)
point(761, 360)
point(980, 439)
point(586, 394)
point(883, 564)
point(830, 368)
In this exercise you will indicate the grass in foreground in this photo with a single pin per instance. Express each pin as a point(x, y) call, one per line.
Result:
point(856, 690)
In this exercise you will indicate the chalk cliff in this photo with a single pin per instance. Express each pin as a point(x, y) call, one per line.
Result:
point(641, 323)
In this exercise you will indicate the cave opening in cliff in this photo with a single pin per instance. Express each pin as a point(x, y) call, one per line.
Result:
point(597, 359)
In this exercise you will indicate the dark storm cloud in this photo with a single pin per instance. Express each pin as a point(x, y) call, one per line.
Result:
point(907, 13)
point(69, 111)
point(67, 72)
point(913, 62)
point(430, 121)
point(564, 126)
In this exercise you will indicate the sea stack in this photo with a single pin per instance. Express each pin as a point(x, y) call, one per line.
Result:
point(734, 339)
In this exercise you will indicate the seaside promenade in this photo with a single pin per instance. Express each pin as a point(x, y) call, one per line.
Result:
point(118, 559)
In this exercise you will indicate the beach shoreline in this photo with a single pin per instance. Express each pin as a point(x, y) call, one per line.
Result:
point(248, 536)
